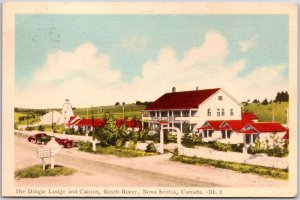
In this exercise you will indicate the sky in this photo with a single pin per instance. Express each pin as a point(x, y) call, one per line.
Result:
point(102, 59)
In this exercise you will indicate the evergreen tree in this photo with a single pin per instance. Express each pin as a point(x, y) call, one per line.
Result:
point(265, 102)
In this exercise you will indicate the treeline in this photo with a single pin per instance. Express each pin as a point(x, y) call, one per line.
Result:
point(145, 103)
point(280, 97)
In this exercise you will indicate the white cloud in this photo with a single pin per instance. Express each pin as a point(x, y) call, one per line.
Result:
point(134, 44)
point(87, 78)
point(248, 44)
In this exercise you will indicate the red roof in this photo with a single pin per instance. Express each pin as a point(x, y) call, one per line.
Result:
point(211, 125)
point(268, 127)
point(90, 122)
point(235, 125)
point(181, 100)
point(248, 116)
point(286, 136)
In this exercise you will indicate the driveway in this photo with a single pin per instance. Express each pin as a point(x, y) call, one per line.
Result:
point(152, 171)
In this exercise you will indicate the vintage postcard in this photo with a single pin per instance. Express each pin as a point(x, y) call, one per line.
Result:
point(149, 99)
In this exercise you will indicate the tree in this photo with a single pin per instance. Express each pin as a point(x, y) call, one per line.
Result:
point(117, 103)
point(265, 101)
point(108, 135)
point(186, 127)
point(255, 101)
point(282, 97)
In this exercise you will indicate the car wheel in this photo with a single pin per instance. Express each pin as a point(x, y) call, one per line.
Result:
point(69, 145)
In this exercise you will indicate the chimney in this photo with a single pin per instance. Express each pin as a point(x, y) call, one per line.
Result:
point(173, 89)
point(197, 88)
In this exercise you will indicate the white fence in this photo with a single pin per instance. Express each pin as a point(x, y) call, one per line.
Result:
point(261, 160)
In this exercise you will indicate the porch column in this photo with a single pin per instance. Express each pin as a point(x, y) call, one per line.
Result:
point(181, 125)
point(161, 149)
point(173, 117)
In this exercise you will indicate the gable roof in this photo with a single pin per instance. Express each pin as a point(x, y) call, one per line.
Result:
point(264, 127)
point(211, 125)
point(248, 116)
point(181, 100)
point(235, 125)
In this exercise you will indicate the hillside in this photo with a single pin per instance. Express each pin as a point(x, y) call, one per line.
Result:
point(130, 111)
point(265, 112)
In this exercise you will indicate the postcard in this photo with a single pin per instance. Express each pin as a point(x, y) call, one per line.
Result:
point(140, 99)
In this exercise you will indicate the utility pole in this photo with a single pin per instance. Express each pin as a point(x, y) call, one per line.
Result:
point(123, 110)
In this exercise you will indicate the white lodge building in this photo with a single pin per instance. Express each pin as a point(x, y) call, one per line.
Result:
point(194, 107)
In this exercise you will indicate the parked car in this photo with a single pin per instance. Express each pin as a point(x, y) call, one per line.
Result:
point(43, 138)
point(34, 138)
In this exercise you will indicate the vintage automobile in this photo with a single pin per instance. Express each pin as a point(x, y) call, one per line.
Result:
point(43, 138)
point(33, 138)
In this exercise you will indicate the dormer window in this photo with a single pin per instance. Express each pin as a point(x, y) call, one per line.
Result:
point(220, 98)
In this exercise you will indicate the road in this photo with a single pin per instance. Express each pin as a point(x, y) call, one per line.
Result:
point(108, 171)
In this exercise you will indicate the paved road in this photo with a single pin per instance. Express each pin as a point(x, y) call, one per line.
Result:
point(104, 171)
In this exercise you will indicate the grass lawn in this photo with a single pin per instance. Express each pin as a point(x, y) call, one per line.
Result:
point(265, 112)
point(130, 111)
point(31, 120)
point(243, 168)
point(37, 171)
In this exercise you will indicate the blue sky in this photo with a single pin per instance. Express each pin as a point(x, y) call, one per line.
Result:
point(130, 41)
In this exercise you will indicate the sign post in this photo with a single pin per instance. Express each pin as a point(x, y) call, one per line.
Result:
point(55, 148)
point(42, 154)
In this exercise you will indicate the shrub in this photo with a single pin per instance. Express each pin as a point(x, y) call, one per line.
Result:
point(155, 137)
point(191, 140)
point(171, 138)
point(150, 147)
point(85, 146)
point(237, 147)
point(221, 147)
point(43, 140)
point(41, 128)
point(30, 128)
point(278, 151)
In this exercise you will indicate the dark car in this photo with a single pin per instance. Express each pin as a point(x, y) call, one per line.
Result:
point(43, 138)
point(34, 138)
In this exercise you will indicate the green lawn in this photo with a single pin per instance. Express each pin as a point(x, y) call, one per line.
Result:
point(37, 171)
point(243, 168)
point(33, 118)
point(265, 112)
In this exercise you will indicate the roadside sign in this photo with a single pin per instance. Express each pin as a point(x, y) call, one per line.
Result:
point(44, 153)
point(54, 146)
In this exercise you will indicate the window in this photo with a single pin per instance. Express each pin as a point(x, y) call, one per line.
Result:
point(248, 139)
point(218, 112)
point(176, 113)
point(223, 112)
point(208, 112)
point(185, 113)
point(255, 136)
point(231, 112)
point(194, 113)
point(223, 134)
point(220, 98)
point(210, 132)
point(205, 133)
point(229, 133)
point(164, 114)
point(152, 114)
point(170, 113)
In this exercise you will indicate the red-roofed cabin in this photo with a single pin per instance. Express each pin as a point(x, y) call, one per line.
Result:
point(132, 124)
point(210, 130)
point(266, 132)
point(194, 107)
